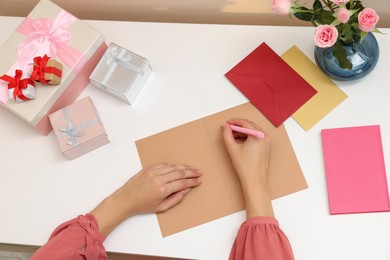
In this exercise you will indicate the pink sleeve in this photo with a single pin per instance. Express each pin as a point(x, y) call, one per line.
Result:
point(261, 238)
point(78, 238)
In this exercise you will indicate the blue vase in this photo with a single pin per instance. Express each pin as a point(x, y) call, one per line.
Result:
point(363, 56)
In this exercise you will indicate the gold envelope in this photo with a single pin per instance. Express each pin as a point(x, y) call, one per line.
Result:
point(328, 96)
point(199, 143)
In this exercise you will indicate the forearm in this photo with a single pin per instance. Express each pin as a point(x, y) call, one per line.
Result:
point(111, 212)
point(154, 189)
point(257, 196)
point(258, 203)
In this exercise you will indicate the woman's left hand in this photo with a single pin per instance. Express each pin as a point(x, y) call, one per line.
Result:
point(156, 188)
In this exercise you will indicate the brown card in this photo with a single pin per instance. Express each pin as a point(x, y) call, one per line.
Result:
point(199, 143)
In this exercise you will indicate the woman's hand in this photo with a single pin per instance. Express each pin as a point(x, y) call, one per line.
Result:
point(156, 188)
point(159, 187)
point(250, 158)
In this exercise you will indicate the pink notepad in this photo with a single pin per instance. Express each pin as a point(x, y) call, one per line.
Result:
point(355, 170)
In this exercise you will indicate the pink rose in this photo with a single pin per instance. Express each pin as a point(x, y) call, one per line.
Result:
point(325, 35)
point(343, 15)
point(340, 2)
point(367, 19)
point(281, 7)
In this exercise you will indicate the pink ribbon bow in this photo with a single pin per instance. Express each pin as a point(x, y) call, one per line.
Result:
point(45, 36)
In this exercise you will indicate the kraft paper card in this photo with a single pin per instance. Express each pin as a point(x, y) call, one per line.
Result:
point(270, 84)
point(328, 96)
point(355, 170)
point(199, 143)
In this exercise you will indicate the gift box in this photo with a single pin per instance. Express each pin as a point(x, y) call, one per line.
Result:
point(46, 71)
point(121, 73)
point(78, 128)
point(50, 30)
point(20, 87)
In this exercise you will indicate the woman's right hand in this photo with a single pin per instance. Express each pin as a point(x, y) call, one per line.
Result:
point(249, 155)
point(250, 158)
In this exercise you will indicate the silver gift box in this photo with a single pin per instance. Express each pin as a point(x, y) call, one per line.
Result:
point(121, 73)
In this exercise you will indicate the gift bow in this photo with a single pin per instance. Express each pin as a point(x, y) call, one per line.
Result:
point(38, 73)
point(71, 131)
point(45, 36)
point(18, 84)
point(119, 57)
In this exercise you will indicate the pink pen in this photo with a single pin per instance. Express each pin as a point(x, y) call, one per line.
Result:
point(247, 131)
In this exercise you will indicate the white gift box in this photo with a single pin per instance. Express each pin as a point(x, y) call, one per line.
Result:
point(121, 73)
point(23, 88)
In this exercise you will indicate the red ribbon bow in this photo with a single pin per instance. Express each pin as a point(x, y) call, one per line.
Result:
point(38, 73)
point(18, 84)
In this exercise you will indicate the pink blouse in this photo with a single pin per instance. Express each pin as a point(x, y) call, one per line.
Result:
point(261, 238)
point(78, 238)
point(258, 238)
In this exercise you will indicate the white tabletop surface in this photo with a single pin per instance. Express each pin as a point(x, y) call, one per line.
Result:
point(39, 188)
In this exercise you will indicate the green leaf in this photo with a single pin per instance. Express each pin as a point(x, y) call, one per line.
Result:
point(302, 8)
point(317, 5)
point(341, 55)
point(358, 5)
point(362, 35)
point(335, 22)
point(377, 31)
point(326, 19)
point(303, 16)
point(352, 12)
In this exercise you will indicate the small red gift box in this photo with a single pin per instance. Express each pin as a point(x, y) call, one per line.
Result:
point(46, 71)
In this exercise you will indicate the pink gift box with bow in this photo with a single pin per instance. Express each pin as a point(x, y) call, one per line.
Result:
point(78, 133)
point(50, 30)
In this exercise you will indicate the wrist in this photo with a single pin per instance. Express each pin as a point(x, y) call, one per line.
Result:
point(254, 185)
point(110, 213)
point(258, 202)
point(123, 203)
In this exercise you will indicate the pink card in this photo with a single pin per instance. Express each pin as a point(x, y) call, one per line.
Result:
point(355, 170)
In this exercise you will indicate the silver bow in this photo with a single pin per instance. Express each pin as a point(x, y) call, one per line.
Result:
point(71, 131)
point(118, 56)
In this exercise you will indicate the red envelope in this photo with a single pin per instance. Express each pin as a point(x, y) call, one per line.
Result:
point(270, 84)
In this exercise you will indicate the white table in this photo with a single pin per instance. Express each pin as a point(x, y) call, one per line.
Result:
point(40, 189)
